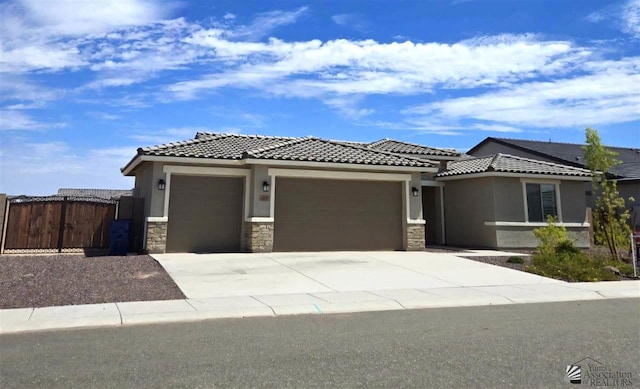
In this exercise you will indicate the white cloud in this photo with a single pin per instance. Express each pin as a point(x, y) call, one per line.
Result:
point(265, 23)
point(75, 18)
point(610, 96)
point(631, 18)
point(625, 16)
point(16, 120)
point(42, 168)
point(350, 20)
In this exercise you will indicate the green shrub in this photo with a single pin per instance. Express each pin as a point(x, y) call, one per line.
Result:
point(572, 267)
point(515, 260)
point(566, 247)
point(550, 236)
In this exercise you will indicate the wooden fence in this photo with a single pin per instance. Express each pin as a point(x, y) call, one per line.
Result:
point(57, 224)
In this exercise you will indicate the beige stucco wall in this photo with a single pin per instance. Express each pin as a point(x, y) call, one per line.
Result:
point(631, 189)
point(148, 174)
point(573, 202)
point(468, 204)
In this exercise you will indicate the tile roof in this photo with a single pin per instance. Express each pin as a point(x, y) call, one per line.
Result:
point(395, 146)
point(209, 145)
point(310, 149)
point(99, 193)
point(573, 154)
point(505, 163)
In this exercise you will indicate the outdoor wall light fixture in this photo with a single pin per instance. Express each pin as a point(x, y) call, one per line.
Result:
point(161, 184)
point(265, 186)
point(415, 191)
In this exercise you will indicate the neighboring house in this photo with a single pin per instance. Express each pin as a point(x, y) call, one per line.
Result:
point(231, 192)
point(627, 173)
point(108, 194)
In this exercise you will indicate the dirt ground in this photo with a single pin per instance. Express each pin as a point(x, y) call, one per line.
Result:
point(67, 279)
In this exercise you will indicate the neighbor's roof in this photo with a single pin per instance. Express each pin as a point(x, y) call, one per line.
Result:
point(309, 149)
point(505, 163)
point(99, 193)
point(572, 154)
point(399, 147)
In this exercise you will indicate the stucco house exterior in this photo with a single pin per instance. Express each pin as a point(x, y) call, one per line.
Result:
point(253, 193)
point(627, 173)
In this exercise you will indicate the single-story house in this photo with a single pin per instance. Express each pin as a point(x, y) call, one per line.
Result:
point(233, 192)
point(107, 194)
point(627, 173)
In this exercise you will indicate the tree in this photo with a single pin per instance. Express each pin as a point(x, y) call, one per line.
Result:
point(610, 215)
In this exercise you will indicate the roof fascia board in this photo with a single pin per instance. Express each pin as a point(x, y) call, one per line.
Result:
point(338, 175)
point(334, 165)
point(190, 160)
point(514, 175)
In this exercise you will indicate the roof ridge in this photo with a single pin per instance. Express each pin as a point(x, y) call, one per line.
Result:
point(423, 146)
point(289, 141)
point(184, 142)
point(544, 162)
point(561, 143)
point(377, 142)
point(367, 148)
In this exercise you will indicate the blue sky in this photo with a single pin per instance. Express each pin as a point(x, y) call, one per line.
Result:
point(83, 84)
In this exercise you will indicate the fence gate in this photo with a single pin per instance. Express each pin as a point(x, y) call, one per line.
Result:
point(57, 224)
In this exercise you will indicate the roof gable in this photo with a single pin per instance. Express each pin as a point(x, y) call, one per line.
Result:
point(505, 163)
point(399, 147)
point(571, 154)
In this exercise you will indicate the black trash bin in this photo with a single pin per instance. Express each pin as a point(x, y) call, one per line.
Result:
point(119, 237)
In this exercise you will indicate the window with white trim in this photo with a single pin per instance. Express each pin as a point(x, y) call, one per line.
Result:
point(541, 201)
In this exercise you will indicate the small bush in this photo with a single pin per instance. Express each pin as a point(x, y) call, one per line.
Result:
point(550, 236)
point(515, 260)
point(566, 247)
point(572, 267)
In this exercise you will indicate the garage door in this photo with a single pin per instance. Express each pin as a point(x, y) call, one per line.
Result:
point(205, 214)
point(318, 214)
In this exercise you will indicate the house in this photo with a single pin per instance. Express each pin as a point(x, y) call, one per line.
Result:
point(233, 192)
point(627, 173)
point(107, 194)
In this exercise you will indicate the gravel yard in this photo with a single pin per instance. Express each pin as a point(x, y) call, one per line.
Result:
point(41, 281)
point(502, 261)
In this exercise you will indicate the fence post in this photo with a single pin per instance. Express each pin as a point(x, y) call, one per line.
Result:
point(5, 221)
point(62, 223)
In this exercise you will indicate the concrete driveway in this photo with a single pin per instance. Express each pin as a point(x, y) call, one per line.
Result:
point(226, 275)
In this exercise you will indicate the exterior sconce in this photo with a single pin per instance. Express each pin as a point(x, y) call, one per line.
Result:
point(415, 191)
point(161, 184)
point(266, 187)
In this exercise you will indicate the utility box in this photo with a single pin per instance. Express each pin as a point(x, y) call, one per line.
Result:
point(119, 237)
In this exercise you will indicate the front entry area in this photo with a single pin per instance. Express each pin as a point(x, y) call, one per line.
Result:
point(205, 214)
point(332, 215)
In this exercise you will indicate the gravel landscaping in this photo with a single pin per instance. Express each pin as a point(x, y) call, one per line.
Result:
point(65, 279)
point(502, 261)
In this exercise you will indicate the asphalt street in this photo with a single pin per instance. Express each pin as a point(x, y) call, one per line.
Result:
point(528, 345)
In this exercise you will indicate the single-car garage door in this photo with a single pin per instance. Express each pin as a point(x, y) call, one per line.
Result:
point(320, 214)
point(205, 214)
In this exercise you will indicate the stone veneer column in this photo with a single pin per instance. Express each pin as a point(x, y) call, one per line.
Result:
point(156, 237)
point(415, 237)
point(258, 237)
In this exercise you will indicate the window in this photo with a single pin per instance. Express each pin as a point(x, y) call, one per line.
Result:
point(541, 201)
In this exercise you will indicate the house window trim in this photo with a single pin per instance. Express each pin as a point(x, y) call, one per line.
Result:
point(555, 183)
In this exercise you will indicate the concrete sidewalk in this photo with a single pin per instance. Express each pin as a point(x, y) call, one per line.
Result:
point(322, 302)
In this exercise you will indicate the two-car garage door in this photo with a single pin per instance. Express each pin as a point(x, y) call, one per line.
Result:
point(323, 214)
point(206, 214)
